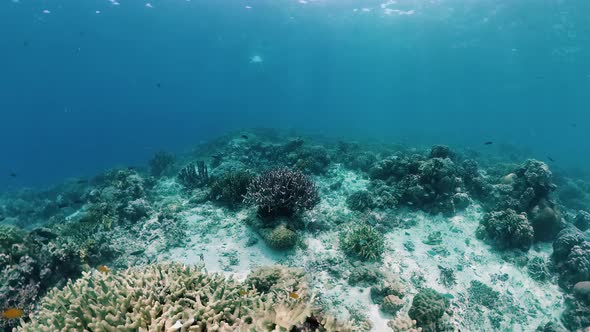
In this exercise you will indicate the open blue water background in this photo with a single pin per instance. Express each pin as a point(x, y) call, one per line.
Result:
point(82, 91)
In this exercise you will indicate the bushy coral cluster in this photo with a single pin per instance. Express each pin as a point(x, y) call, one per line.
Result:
point(282, 192)
point(193, 177)
point(178, 298)
point(231, 188)
point(362, 242)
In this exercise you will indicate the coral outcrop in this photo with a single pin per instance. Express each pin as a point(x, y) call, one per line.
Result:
point(427, 182)
point(280, 237)
point(571, 256)
point(506, 230)
point(428, 307)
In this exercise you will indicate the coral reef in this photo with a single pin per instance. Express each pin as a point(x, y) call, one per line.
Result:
point(277, 278)
point(119, 196)
point(538, 269)
point(282, 192)
point(403, 324)
point(392, 304)
point(582, 220)
point(33, 262)
point(576, 316)
point(180, 297)
point(546, 221)
point(411, 218)
point(388, 294)
point(315, 159)
point(506, 230)
point(280, 238)
point(571, 256)
point(428, 307)
point(360, 201)
point(430, 183)
point(193, 177)
point(231, 187)
point(362, 242)
point(527, 189)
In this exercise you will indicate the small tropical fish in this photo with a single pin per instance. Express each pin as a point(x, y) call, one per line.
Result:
point(12, 174)
point(245, 136)
point(12, 313)
point(550, 159)
point(488, 143)
point(103, 269)
point(243, 292)
point(158, 85)
point(293, 295)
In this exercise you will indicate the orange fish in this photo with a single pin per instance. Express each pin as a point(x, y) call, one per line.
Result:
point(293, 295)
point(12, 313)
point(103, 269)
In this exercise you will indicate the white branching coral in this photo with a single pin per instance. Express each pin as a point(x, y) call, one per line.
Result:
point(172, 297)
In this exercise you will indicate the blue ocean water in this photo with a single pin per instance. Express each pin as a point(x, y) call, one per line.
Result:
point(87, 85)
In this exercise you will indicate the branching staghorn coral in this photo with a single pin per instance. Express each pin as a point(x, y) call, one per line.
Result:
point(282, 192)
point(172, 297)
point(363, 242)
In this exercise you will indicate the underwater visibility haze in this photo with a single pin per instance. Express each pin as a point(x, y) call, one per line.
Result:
point(294, 165)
